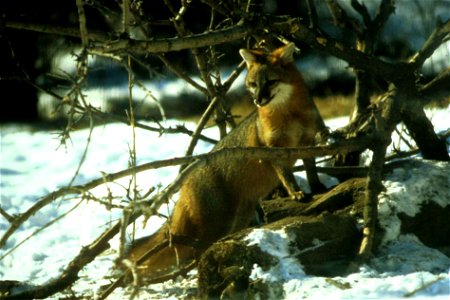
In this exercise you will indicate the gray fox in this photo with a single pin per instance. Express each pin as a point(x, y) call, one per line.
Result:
point(221, 197)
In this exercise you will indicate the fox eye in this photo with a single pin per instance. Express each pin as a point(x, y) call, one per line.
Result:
point(252, 84)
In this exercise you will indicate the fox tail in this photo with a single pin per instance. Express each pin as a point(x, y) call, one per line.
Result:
point(162, 256)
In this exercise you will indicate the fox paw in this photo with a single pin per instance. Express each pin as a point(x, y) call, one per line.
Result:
point(297, 196)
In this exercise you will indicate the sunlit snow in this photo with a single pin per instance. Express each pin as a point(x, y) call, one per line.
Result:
point(33, 164)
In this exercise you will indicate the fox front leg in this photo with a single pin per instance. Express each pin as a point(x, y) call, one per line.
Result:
point(287, 178)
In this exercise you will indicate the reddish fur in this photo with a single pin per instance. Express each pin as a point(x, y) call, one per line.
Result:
point(221, 197)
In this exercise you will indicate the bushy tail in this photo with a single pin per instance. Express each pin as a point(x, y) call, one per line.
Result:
point(161, 256)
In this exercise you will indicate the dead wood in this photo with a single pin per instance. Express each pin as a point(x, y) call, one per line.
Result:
point(402, 103)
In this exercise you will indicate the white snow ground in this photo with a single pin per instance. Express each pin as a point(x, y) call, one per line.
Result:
point(33, 164)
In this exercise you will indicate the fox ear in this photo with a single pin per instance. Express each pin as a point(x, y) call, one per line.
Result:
point(286, 53)
point(248, 56)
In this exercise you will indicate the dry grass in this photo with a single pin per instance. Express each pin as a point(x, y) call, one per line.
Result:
point(329, 107)
point(340, 105)
point(333, 106)
point(442, 102)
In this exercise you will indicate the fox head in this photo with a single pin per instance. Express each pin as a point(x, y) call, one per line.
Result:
point(267, 78)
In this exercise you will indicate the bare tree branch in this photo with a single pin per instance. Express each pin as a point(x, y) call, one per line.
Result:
point(313, 17)
point(182, 270)
point(96, 35)
point(361, 8)
point(182, 74)
point(82, 20)
point(220, 36)
point(384, 122)
point(201, 125)
point(118, 118)
point(422, 131)
point(386, 8)
point(438, 85)
point(355, 58)
point(340, 17)
point(70, 274)
point(89, 253)
point(5, 215)
point(219, 7)
point(371, 130)
point(440, 34)
point(246, 153)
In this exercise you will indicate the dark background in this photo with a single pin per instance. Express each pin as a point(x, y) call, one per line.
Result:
point(29, 55)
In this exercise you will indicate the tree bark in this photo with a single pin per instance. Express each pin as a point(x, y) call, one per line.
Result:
point(422, 131)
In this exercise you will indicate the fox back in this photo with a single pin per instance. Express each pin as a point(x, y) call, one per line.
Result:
point(221, 197)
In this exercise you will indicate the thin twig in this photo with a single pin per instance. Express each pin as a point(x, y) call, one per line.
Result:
point(88, 253)
point(131, 267)
point(150, 95)
point(82, 20)
point(118, 118)
point(202, 57)
point(201, 125)
point(125, 6)
point(219, 7)
point(182, 74)
point(313, 17)
point(340, 17)
point(233, 76)
point(132, 160)
point(70, 274)
point(438, 85)
point(7, 216)
point(424, 286)
point(88, 140)
point(160, 129)
point(183, 269)
point(352, 144)
point(40, 229)
point(437, 37)
point(113, 44)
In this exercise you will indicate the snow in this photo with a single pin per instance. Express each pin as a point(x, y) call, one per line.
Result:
point(408, 189)
point(403, 266)
point(33, 164)
point(275, 243)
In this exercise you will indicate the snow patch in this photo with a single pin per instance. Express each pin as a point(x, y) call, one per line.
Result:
point(33, 165)
point(407, 189)
point(406, 255)
point(276, 244)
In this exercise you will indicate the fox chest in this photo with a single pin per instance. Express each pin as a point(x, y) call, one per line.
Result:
point(289, 134)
